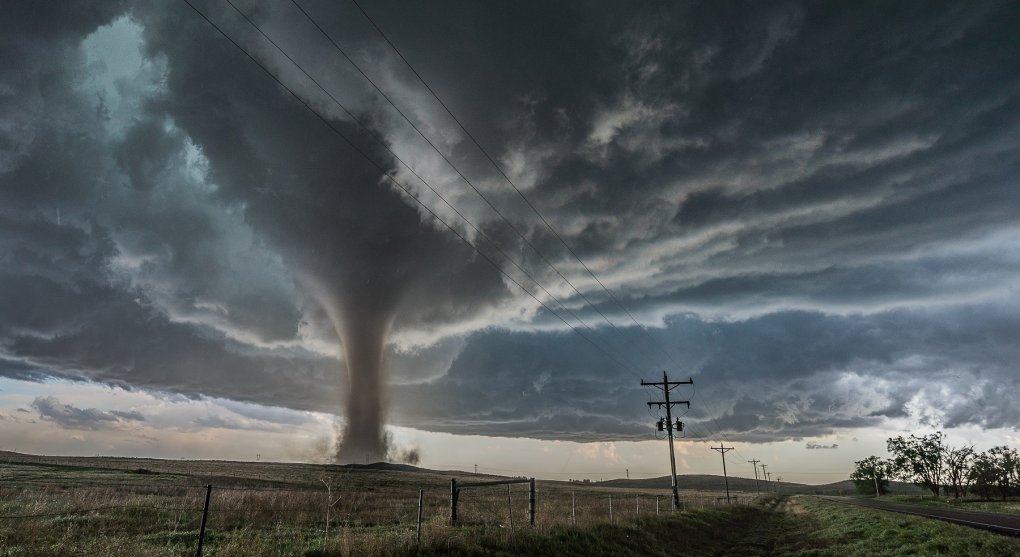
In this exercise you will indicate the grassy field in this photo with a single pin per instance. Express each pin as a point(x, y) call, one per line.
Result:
point(125, 506)
point(138, 507)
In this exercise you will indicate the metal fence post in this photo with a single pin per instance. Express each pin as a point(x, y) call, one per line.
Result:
point(510, 507)
point(531, 501)
point(205, 514)
point(573, 512)
point(421, 501)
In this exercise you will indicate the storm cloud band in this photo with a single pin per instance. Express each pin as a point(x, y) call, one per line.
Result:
point(811, 207)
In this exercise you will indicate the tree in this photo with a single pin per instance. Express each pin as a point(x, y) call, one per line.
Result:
point(919, 459)
point(957, 467)
point(869, 472)
point(984, 474)
point(1007, 468)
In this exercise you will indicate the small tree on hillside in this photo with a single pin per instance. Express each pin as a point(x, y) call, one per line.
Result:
point(919, 459)
point(957, 467)
point(870, 472)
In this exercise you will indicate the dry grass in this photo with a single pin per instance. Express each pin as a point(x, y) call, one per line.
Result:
point(108, 507)
point(118, 506)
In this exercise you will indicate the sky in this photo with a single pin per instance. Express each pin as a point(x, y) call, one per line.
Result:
point(810, 209)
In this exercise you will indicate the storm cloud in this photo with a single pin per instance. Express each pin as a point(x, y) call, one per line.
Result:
point(70, 417)
point(810, 209)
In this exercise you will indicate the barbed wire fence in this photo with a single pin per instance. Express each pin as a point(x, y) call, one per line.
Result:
point(330, 517)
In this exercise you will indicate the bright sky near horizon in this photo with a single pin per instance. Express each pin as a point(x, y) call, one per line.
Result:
point(809, 209)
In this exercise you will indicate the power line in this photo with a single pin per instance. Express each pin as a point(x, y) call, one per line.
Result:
point(538, 284)
point(389, 177)
point(457, 170)
point(385, 146)
point(499, 169)
point(515, 188)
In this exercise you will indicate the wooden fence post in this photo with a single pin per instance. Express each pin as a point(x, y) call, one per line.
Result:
point(510, 505)
point(453, 501)
point(610, 509)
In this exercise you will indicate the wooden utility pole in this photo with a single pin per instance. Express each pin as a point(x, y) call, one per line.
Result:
point(765, 476)
point(666, 386)
point(754, 464)
point(722, 452)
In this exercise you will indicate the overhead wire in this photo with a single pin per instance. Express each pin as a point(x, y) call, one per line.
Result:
point(502, 173)
point(453, 166)
point(495, 165)
point(491, 242)
point(628, 366)
point(395, 182)
point(481, 233)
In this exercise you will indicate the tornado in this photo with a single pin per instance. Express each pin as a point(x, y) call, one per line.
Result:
point(363, 342)
point(362, 321)
point(355, 245)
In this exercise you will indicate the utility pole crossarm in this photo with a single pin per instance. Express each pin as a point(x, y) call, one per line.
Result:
point(660, 404)
point(666, 384)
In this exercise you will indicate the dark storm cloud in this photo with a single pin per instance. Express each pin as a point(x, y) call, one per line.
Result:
point(814, 207)
point(70, 417)
point(782, 375)
point(811, 445)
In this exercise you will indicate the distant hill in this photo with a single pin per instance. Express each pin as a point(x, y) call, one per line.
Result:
point(392, 466)
point(708, 482)
point(703, 482)
point(711, 482)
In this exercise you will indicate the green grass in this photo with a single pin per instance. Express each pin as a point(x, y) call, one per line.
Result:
point(855, 531)
point(1010, 506)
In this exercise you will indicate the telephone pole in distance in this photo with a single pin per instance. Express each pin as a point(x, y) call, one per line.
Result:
point(722, 452)
point(754, 464)
point(666, 386)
